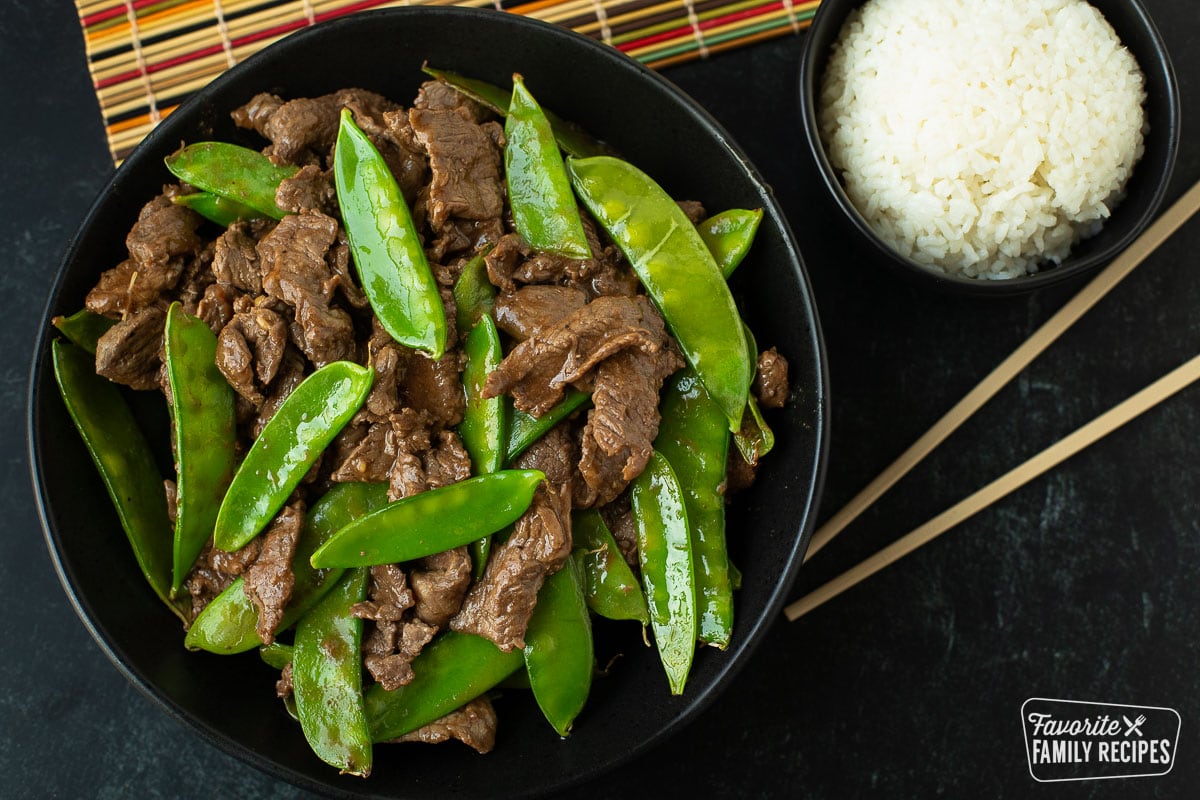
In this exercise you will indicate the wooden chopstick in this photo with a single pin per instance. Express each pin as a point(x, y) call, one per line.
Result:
point(1020, 358)
point(1053, 455)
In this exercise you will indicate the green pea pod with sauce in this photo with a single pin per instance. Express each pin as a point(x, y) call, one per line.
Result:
point(755, 438)
point(215, 208)
point(485, 419)
point(289, 444)
point(327, 678)
point(83, 328)
point(452, 670)
point(559, 655)
point(539, 193)
point(474, 294)
point(240, 174)
point(692, 438)
point(204, 430)
point(665, 554)
point(610, 587)
point(677, 271)
point(387, 250)
point(123, 458)
point(229, 624)
point(525, 429)
point(729, 235)
point(432, 521)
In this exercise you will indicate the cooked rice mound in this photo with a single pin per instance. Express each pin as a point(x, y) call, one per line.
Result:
point(982, 137)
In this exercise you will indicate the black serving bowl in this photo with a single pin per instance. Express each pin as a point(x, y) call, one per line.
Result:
point(230, 701)
point(1144, 192)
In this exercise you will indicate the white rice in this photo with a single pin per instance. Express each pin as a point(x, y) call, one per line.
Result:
point(982, 137)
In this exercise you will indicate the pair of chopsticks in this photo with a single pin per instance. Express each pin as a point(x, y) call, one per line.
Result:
point(1066, 447)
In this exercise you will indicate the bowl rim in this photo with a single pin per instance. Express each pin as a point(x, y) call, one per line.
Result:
point(750, 637)
point(812, 63)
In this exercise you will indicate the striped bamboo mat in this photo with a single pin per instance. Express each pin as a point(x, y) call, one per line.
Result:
point(147, 56)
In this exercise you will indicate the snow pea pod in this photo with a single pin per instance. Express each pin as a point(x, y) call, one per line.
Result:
point(474, 294)
point(229, 624)
point(729, 235)
point(276, 654)
point(611, 588)
point(525, 429)
point(755, 438)
point(570, 137)
point(450, 672)
point(306, 422)
point(83, 328)
point(485, 420)
point(433, 521)
point(327, 678)
point(539, 193)
point(676, 269)
point(204, 434)
point(559, 655)
point(215, 208)
point(236, 173)
point(124, 461)
point(386, 247)
point(665, 555)
point(692, 438)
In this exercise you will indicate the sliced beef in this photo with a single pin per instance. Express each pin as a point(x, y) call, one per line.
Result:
point(215, 569)
point(295, 271)
point(372, 457)
point(407, 160)
point(474, 725)
point(537, 370)
point(269, 580)
point(555, 455)
point(465, 160)
point(502, 261)
point(338, 259)
point(739, 473)
point(130, 351)
point(163, 232)
point(197, 276)
point(619, 517)
point(437, 95)
point(499, 605)
point(464, 236)
point(447, 461)
point(393, 641)
point(435, 387)
point(770, 385)
point(121, 290)
point(285, 685)
point(291, 373)
point(439, 584)
point(235, 262)
point(523, 312)
point(310, 189)
point(255, 114)
point(216, 306)
point(250, 351)
point(388, 362)
point(693, 210)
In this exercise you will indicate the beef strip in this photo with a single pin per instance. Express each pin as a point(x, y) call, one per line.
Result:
point(371, 459)
point(770, 385)
point(216, 306)
point(523, 312)
point(269, 580)
point(439, 584)
point(388, 362)
point(435, 387)
point(295, 271)
point(215, 569)
point(499, 605)
point(338, 259)
point(130, 351)
point(250, 351)
point(255, 114)
point(310, 189)
point(285, 685)
point(393, 642)
point(438, 95)
point(618, 515)
point(465, 160)
point(235, 262)
point(163, 232)
point(291, 373)
point(464, 235)
point(502, 261)
point(693, 210)
point(474, 725)
point(537, 370)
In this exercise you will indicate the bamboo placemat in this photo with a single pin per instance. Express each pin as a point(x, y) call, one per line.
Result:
point(148, 56)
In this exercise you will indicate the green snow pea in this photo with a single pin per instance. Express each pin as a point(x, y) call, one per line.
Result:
point(525, 429)
point(236, 173)
point(569, 136)
point(84, 328)
point(755, 438)
point(559, 655)
point(485, 420)
point(306, 422)
point(474, 294)
point(692, 438)
point(215, 208)
point(678, 272)
point(729, 235)
point(450, 672)
point(386, 247)
point(539, 193)
point(204, 431)
point(433, 521)
point(665, 554)
point(229, 624)
point(124, 461)
point(611, 588)
point(276, 654)
point(327, 678)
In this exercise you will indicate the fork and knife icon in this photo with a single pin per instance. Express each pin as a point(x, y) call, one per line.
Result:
point(1134, 726)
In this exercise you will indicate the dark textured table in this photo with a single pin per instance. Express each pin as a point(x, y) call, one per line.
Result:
point(1085, 584)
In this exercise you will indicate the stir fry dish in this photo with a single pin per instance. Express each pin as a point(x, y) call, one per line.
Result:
point(447, 384)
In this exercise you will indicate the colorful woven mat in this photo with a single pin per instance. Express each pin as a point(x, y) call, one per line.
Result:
point(148, 56)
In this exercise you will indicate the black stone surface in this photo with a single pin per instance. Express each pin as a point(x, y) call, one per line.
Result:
point(1084, 584)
